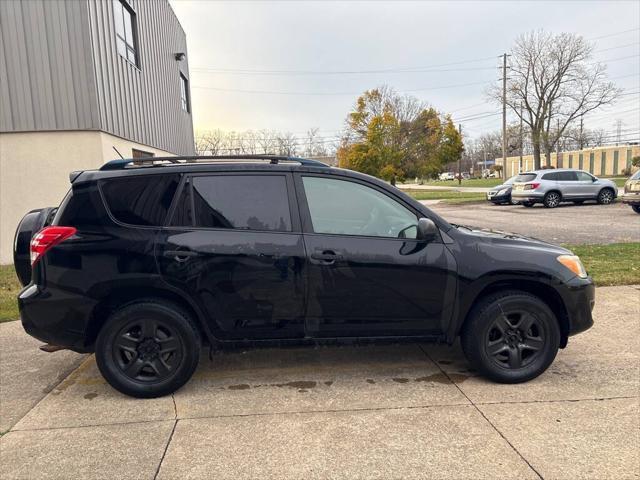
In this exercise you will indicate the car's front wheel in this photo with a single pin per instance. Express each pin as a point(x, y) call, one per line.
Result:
point(511, 337)
point(636, 208)
point(606, 196)
point(148, 349)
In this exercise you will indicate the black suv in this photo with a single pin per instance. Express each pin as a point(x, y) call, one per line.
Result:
point(146, 260)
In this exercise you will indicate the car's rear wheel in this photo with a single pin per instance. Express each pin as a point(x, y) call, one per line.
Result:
point(552, 199)
point(148, 349)
point(527, 204)
point(511, 337)
point(606, 196)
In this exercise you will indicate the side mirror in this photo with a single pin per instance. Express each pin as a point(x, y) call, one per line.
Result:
point(427, 230)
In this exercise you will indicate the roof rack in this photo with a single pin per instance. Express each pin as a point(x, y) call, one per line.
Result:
point(159, 161)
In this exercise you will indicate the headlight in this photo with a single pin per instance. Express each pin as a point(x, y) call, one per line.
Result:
point(502, 192)
point(573, 263)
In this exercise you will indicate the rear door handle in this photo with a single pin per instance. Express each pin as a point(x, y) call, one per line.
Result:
point(180, 255)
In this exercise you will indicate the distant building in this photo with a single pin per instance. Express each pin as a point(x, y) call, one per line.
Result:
point(600, 161)
point(78, 78)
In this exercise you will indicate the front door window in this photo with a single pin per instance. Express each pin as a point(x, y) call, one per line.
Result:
point(347, 208)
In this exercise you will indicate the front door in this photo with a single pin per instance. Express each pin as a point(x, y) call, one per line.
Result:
point(234, 245)
point(367, 273)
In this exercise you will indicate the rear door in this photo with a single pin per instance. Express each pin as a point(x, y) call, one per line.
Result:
point(368, 275)
point(234, 244)
point(568, 184)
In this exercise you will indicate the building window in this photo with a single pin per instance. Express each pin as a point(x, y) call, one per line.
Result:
point(184, 94)
point(126, 34)
point(141, 153)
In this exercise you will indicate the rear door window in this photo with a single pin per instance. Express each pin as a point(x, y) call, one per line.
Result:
point(567, 177)
point(141, 200)
point(242, 202)
point(553, 176)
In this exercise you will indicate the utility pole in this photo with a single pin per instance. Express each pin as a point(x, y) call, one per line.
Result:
point(558, 143)
point(504, 111)
point(521, 141)
point(460, 158)
point(619, 131)
point(581, 140)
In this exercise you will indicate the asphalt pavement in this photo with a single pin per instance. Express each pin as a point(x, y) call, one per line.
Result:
point(587, 223)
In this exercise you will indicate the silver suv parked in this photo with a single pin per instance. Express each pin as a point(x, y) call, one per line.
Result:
point(550, 187)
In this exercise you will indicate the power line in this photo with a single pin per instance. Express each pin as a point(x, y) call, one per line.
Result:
point(267, 92)
point(337, 72)
point(615, 34)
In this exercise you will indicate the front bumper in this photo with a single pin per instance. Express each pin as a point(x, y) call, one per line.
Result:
point(631, 198)
point(578, 295)
point(498, 198)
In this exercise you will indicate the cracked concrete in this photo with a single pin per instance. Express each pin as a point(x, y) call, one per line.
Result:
point(401, 411)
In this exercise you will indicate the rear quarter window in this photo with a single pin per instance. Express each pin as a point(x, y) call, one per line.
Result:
point(550, 176)
point(141, 200)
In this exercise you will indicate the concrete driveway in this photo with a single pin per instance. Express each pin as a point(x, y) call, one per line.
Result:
point(394, 411)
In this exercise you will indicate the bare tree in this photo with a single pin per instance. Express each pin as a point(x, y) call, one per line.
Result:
point(551, 77)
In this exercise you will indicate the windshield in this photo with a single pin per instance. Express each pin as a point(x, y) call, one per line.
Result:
point(525, 177)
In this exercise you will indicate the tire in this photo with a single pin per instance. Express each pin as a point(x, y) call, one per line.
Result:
point(512, 201)
point(527, 204)
point(606, 196)
point(499, 346)
point(636, 208)
point(552, 199)
point(132, 359)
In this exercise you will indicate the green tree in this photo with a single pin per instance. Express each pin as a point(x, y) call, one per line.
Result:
point(390, 135)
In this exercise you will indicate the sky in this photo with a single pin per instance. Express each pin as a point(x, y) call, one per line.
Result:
point(293, 65)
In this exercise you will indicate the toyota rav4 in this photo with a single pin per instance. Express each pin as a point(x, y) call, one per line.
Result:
point(145, 261)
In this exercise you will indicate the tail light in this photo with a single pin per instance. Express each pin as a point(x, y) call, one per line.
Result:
point(531, 186)
point(46, 238)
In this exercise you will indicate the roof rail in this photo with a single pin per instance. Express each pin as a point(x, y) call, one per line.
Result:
point(158, 161)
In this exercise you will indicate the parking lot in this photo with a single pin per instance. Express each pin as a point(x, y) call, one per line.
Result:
point(386, 411)
point(568, 223)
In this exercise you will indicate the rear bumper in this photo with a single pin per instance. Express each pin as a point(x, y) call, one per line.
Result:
point(630, 198)
point(55, 318)
point(527, 196)
point(579, 299)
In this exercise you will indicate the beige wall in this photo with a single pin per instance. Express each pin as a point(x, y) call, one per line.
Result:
point(35, 166)
point(602, 156)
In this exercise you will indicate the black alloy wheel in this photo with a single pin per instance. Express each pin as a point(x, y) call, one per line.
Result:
point(552, 199)
point(148, 349)
point(514, 340)
point(511, 337)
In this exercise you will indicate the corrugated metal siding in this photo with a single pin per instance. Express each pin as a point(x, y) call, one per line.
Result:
point(142, 104)
point(60, 70)
point(45, 80)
